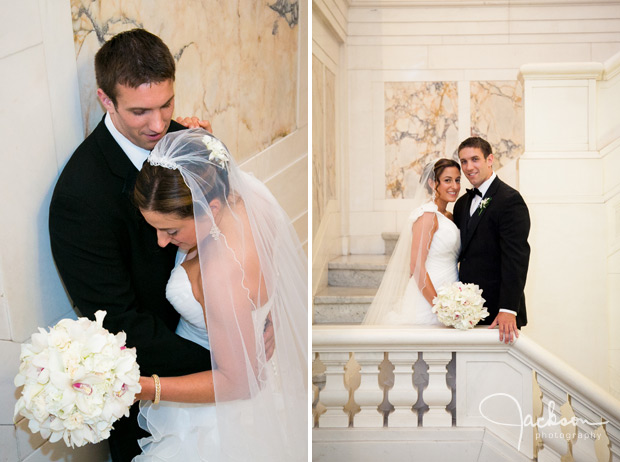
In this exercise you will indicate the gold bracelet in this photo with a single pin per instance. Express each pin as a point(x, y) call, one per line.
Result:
point(157, 388)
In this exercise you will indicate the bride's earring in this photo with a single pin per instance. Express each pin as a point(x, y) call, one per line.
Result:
point(215, 232)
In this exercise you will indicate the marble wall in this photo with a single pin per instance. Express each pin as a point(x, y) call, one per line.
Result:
point(497, 116)
point(241, 64)
point(323, 139)
point(318, 137)
point(475, 49)
point(237, 61)
point(328, 140)
point(41, 125)
point(422, 125)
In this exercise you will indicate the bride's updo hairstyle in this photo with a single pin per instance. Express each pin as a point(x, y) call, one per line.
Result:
point(160, 187)
point(433, 170)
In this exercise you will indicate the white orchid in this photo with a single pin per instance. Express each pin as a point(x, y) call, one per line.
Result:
point(218, 152)
point(78, 380)
point(460, 305)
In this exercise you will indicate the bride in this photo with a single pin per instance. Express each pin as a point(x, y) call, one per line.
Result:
point(240, 268)
point(426, 254)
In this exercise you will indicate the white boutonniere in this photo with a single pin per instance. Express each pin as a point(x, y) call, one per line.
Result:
point(483, 205)
point(218, 154)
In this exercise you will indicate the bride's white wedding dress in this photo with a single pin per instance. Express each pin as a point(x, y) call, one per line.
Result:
point(441, 265)
point(181, 431)
point(247, 251)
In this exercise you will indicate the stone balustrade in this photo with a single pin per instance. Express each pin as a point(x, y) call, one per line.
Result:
point(524, 402)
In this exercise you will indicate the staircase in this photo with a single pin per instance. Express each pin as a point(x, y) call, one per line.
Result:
point(353, 281)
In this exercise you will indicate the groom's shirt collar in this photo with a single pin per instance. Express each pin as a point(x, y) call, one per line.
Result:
point(136, 154)
point(484, 187)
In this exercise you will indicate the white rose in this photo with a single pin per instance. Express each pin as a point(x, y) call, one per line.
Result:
point(74, 421)
point(59, 338)
point(38, 408)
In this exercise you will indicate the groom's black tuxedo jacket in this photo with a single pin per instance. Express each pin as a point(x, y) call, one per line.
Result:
point(494, 249)
point(108, 258)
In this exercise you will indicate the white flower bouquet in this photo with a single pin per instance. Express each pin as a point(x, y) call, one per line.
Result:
point(460, 305)
point(78, 380)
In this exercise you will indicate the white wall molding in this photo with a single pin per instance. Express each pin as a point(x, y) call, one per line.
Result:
point(611, 67)
point(561, 71)
point(334, 13)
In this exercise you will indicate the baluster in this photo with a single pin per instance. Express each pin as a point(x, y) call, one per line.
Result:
point(403, 394)
point(437, 395)
point(569, 431)
point(334, 395)
point(537, 412)
point(369, 395)
point(602, 445)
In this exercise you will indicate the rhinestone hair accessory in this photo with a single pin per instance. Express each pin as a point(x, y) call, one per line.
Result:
point(156, 160)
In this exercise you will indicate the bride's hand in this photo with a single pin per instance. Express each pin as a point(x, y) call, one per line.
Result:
point(195, 122)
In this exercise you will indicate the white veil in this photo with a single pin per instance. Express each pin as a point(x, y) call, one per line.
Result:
point(253, 271)
point(407, 261)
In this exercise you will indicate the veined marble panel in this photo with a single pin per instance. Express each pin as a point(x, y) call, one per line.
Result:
point(236, 61)
point(497, 116)
point(318, 135)
point(421, 125)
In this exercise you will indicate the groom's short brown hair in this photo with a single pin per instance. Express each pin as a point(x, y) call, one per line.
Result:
point(132, 58)
point(477, 142)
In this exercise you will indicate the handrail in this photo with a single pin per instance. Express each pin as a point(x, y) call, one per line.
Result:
point(397, 338)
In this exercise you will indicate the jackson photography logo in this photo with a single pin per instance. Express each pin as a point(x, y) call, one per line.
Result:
point(540, 422)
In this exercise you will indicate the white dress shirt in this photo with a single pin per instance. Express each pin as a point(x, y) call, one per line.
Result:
point(136, 154)
point(484, 187)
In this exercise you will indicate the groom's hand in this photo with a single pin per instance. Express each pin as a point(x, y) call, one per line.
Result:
point(507, 323)
point(195, 122)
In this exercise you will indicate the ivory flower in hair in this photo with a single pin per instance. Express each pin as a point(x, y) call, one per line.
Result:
point(218, 154)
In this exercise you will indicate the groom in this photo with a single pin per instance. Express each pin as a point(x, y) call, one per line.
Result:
point(494, 224)
point(106, 254)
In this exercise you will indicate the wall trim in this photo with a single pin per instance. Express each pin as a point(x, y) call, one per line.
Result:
point(561, 71)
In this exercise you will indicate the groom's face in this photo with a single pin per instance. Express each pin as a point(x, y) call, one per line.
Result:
point(475, 167)
point(141, 114)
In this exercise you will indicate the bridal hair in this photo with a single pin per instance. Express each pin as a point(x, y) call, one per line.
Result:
point(132, 58)
point(477, 143)
point(163, 189)
point(437, 169)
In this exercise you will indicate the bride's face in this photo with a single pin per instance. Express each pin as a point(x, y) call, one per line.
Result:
point(449, 184)
point(171, 229)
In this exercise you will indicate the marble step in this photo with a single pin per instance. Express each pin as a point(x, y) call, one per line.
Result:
point(357, 270)
point(390, 242)
point(342, 305)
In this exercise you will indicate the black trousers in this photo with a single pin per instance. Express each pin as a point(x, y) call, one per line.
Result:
point(124, 438)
